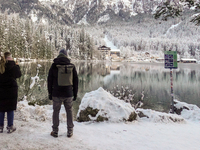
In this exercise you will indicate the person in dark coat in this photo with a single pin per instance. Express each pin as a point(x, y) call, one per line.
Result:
point(9, 71)
point(62, 88)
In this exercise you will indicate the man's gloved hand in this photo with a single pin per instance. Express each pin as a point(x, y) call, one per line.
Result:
point(50, 96)
point(74, 98)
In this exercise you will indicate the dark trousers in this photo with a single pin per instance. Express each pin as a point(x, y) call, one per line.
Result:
point(10, 118)
point(57, 102)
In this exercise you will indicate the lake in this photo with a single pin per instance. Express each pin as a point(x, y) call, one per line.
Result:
point(151, 79)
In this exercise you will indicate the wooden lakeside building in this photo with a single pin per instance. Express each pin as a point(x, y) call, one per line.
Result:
point(107, 52)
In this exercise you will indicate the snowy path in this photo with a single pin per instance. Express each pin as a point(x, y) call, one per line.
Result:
point(139, 135)
point(36, 135)
point(143, 136)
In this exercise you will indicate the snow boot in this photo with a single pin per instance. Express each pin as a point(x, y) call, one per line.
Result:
point(11, 129)
point(70, 132)
point(54, 134)
point(1, 129)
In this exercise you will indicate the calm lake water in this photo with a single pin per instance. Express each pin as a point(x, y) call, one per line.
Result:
point(151, 78)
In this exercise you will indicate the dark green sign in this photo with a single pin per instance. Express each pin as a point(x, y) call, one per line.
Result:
point(171, 59)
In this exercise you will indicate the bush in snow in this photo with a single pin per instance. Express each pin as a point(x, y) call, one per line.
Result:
point(127, 95)
point(100, 105)
point(123, 93)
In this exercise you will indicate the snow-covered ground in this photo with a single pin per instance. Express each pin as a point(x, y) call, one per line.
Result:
point(138, 135)
point(34, 126)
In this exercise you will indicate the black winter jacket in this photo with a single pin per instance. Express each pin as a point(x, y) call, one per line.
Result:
point(61, 91)
point(9, 87)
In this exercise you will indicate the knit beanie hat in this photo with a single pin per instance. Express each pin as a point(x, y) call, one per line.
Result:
point(63, 51)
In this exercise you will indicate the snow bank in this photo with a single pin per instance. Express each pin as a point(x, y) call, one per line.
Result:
point(26, 112)
point(188, 111)
point(105, 105)
point(184, 112)
point(155, 116)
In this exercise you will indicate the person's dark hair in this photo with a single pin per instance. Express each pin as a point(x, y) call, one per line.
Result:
point(3, 61)
point(7, 54)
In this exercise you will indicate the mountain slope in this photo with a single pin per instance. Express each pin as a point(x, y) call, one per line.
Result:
point(70, 11)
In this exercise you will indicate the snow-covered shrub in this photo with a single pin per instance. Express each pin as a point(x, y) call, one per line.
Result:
point(127, 95)
point(123, 93)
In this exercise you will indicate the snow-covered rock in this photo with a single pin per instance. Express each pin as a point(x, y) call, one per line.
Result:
point(155, 116)
point(187, 111)
point(183, 112)
point(100, 105)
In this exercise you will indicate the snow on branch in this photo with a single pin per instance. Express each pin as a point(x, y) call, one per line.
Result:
point(174, 8)
point(196, 18)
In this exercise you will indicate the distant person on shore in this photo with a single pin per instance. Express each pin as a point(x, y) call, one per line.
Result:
point(9, 71)
point(62, 88)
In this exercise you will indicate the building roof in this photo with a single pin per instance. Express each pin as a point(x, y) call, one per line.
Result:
point(104, 48)
point(188, 59)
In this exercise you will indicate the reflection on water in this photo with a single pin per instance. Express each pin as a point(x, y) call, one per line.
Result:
point(153, 79)
point(39, 90)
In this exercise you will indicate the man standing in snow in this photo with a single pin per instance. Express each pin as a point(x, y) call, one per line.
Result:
point(62, 88)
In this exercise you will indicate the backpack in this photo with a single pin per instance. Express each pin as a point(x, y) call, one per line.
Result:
point(65, 75)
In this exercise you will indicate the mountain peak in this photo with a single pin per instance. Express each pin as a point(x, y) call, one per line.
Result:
point(88, 11)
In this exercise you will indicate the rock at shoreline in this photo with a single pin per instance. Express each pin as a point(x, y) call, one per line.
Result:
point(101, 106)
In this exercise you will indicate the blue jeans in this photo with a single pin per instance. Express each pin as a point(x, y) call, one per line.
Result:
point(10, 118)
